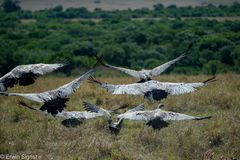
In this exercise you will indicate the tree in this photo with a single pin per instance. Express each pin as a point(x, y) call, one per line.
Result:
point(158, 7)
point(58, 8)
point(10, 5)
point(85, 49)
point(139, 38)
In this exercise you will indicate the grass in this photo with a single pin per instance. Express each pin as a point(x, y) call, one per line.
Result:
point(24, 131)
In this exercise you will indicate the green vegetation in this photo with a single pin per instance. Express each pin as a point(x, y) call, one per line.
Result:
point(158, 11)
point(121, 40)
point(10, 5)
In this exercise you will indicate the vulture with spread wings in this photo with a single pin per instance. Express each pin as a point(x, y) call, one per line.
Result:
point(70, 118)
point(146, 75)
point(54, 100)
point(157, 118)
point(114, 127)
point(153, 90)
point(26, 74)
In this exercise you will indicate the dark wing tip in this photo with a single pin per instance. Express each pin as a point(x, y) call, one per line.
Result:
point(93, 80)
point(63, 62)
point(100, 60)
point(188, 48)
point(212, 79)
point(90, 107)
point(201, 118)
point(22, 103)
point(4, 93)
point(190, 45)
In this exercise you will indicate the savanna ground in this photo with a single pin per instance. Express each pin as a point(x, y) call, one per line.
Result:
point(115, 4)
point(24, 131)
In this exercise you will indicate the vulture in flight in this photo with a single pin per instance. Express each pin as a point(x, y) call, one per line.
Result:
point(153, 90)
point(157, 118)
point(114, 127)
point(26, 74)
point(70, 118)
point(54, 100)
point(146, 75)
point(95, 109)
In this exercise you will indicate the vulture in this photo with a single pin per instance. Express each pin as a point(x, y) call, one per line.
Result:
point(70, 118)
point(95, 109)
point(153, 90)
point(114, 127)
point(146, 75)
point(54, 101)
point(26, 74)
point(157, 118)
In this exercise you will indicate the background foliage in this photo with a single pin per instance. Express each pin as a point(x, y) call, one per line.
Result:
point(50, 36)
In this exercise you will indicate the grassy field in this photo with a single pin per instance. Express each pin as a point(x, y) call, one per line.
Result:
point(115, 4)
point(24, 131)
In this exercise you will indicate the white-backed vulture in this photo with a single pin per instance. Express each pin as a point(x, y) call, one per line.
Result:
point(26, 74)
point(153, 90)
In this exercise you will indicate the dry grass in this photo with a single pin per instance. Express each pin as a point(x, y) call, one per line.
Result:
point(28, 132)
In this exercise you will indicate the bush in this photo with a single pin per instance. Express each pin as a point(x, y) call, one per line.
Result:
point(10, 5)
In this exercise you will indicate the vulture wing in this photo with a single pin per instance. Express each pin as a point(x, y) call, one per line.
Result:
point(160, 69)
point(54, 100)
point(130, 72)
point(26, 74)
point(137, 108)
point(92, 108)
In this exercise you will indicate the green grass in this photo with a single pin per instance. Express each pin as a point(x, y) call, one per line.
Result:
point(24, 131)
